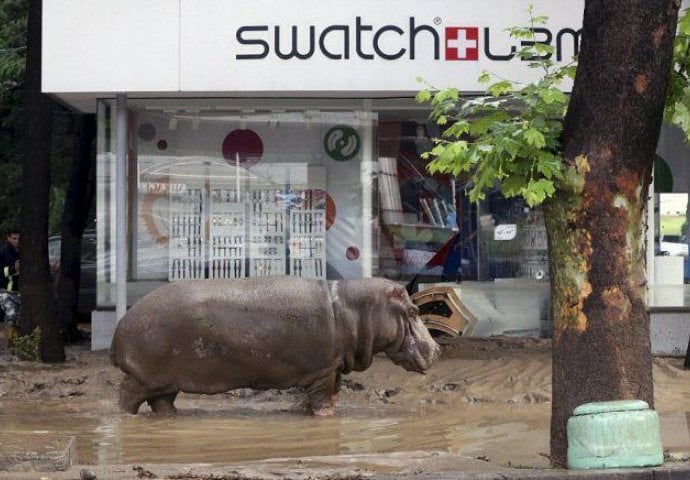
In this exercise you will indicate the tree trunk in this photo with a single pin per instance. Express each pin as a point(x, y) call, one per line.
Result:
point(601, 344)
point(75, 218)
point(38, 305)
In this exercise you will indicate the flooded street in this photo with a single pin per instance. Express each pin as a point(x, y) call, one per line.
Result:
point(484, 400)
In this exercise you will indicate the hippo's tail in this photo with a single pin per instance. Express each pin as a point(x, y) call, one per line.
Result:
point(113, 358)
point(113, 348)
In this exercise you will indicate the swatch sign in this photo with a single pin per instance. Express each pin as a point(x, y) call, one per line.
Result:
point(409, 41)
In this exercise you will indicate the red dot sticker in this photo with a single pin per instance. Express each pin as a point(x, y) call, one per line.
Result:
point(352, 253)
point(243, 145)
point(146, 132)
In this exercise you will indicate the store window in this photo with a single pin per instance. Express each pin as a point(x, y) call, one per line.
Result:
point(424, 214)
point(669, 272)
point(315, 189)
point(228, 192)
point(493, 255)
point(417, 210)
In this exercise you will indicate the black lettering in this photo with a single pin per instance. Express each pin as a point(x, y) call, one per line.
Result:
point(529, 43)
point(252, 41)
point(358, 38)
point(492, 56)
point(294, 53)
point(377, 49)
point(414, 30)
point(346, 42)
point(576, 42)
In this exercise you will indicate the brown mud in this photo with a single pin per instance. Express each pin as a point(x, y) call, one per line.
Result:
point(486, 400)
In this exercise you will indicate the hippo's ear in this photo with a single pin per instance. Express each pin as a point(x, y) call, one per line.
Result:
point(397, 294)
point(398, 300)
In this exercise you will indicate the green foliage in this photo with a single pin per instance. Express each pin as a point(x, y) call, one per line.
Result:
point(13, 25)
point(57, 206)
point(10, 191)
point(677, 108)
point(511, 135)
point(13, 15)
point(26, 347)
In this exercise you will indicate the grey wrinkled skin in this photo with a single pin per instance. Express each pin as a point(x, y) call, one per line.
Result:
point(211, 336)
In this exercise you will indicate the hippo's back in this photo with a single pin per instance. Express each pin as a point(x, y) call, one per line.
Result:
point(186, 330)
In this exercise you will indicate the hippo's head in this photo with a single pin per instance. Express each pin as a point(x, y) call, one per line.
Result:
point(414, 349)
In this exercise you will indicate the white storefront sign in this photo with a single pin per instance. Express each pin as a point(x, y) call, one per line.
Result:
point(291, 46)
point(505, 232)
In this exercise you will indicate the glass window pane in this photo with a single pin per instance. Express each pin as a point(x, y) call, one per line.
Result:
point(230, 193)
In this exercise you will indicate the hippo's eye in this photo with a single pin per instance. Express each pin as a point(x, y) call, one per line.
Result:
point(413, 312)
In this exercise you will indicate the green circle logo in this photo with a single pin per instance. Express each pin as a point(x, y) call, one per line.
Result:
point(341, 143)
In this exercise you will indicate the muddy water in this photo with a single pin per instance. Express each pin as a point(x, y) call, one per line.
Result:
point(484, 402)
point(107, 437)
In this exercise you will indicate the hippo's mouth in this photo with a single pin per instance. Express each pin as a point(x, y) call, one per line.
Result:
point(416, 356)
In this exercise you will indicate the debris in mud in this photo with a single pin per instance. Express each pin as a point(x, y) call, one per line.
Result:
point(471, 399)
point(75, 393)
point(676, 456)
point(36, 387)
point(348, 384)
point(386, 393)
point(73, 381)
point(530, 398)
point(86, 474)
point(143, 473)
point(447, 387)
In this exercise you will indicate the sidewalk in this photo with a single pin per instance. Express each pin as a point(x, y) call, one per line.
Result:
point(407, 465)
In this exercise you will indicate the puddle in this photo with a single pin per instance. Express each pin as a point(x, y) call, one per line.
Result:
point(210, 436)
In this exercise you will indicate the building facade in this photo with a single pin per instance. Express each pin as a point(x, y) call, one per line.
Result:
point(242, 139)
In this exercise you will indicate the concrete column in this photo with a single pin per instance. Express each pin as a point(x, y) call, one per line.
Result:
point(121, 206)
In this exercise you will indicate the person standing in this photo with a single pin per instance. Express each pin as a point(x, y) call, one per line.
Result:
point(9, 277)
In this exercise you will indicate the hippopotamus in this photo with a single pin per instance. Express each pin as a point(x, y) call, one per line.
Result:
point(212, 336)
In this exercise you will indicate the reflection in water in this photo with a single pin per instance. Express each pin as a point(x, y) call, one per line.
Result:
point(675, 435)
point(105, 436)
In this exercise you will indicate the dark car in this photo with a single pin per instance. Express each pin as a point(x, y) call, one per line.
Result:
point(87, 292)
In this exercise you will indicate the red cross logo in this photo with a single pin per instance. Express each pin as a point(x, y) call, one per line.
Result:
point(462, 43)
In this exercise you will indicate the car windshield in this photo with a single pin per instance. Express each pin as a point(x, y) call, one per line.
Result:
point(54, 249)
point(88, 248)
point(673, 238)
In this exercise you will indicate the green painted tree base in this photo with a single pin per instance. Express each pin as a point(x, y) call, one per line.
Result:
point(619, 434)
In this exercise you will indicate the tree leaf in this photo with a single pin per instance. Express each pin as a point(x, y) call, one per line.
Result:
point(500, 88)
point(534, 137)
point(423, 96)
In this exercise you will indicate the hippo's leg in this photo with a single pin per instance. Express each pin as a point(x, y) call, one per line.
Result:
point(336, 389)
point(163, 404)
point(132, 394)
point(322, 395)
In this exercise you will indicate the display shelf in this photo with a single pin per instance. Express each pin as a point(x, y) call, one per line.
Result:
point(267, 233)
point(534, 237)
point(227, 235)
point(534, 262)
point(245, 230)
point(187, 243)
point(307, 234)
